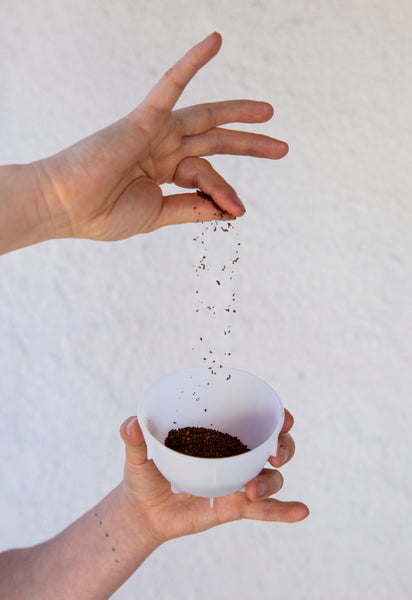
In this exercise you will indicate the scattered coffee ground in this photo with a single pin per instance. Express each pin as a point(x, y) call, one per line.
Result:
point(204, 443)
point(205, 271)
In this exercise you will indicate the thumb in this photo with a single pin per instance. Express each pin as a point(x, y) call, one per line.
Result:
point(135, 446)
point(188, 208)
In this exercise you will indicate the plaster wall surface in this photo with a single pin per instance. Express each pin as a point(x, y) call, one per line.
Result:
point(323, 284)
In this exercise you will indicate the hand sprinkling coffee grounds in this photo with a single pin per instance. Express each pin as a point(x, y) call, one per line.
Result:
point(204, 443)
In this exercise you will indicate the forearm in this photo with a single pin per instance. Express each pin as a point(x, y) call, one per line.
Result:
point(25, 218)
point(87, 561)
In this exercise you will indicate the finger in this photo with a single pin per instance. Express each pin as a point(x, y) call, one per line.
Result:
point(167, 91)
point(267, 483)
point(285, 450)
point(228, 141)
point(271, 509)
point(202, 117)
point(194, 172)
point(187, 208)
point(191, 208)
point(135, 446)
point(288, 422)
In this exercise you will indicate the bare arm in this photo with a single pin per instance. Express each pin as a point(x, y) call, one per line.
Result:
point(88, 560)
point(24, 216)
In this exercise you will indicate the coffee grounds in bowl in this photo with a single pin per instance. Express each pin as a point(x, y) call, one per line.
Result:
point(204, 443)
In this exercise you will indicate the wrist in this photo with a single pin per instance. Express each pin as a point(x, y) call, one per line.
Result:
point(26, 213)
point(23, 214)
point(56, 221)
point(111, 541)
point(136, 520)
point(92, 557)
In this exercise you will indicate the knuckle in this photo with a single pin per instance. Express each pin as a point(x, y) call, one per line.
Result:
point(169, 73)
point(171, 76)
point(218, 142)
point(210, 116)
point(286, 447)
point(277, 481)
point(203, 165)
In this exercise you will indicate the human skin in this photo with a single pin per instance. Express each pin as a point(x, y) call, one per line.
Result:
point(107, 186)
point(97, 553)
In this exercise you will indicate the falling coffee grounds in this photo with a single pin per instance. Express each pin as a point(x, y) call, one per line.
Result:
point(204, 443)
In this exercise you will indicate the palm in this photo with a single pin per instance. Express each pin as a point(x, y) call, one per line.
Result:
point(108, 184)
point(173, 515)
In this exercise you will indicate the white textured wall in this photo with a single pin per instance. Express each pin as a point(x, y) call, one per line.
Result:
point(324, 285)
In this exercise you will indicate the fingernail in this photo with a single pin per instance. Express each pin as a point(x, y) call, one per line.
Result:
point(209, 36)
point(262, 488)
point(240, 203)
point(129, 427)
point(283, 452)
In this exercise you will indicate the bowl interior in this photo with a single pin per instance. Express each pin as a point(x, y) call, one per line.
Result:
point(231, 401)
